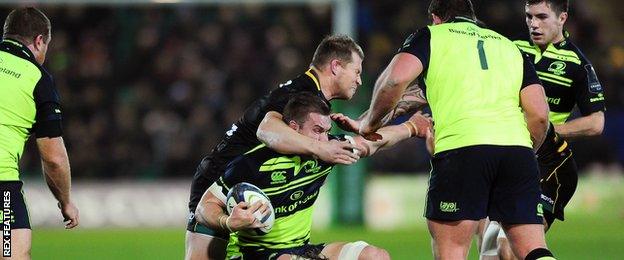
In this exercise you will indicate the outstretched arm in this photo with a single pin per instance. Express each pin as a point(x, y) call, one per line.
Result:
point(389, 88)
point(589, 125)
point(392, 135)
point(278, 136)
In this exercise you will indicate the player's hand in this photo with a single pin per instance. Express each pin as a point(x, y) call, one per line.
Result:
point(337, 152)
point(422, 122)
point(430, 141)
point(70, 214)
point(346, 123)
point(244, 216)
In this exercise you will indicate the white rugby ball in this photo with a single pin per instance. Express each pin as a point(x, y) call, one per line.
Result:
point(248, 192)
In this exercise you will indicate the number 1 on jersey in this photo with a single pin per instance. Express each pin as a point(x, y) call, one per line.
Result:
point(482, 58)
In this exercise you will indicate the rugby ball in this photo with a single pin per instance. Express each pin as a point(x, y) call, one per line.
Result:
point(248, 192)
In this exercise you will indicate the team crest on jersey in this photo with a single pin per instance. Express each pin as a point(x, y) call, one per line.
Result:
point(557, 68)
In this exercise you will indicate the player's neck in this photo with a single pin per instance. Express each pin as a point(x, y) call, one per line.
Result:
point(325, 83)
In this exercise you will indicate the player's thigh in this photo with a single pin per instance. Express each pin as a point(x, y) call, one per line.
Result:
point(515, 192)
point(20, 245)
point(459, 184)
point(354, 250)
point(558, 182)
point(201, 246)
point(451, 239)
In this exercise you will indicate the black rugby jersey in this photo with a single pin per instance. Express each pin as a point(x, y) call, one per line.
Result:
point(569, 80)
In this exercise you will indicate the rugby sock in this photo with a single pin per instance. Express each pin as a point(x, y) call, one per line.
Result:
point(540, 254)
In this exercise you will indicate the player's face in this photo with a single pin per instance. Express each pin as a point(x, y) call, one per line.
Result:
point(316, 127)
point(349, 76)
point(545, 26)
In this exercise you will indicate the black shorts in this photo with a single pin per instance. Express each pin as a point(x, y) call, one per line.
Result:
point(206, 174)
point(471, 183)
point(558, 181)
point(14, 210)
point(193, 226)
point(307, 251)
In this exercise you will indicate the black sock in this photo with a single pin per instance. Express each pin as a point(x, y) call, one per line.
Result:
point(539, 254)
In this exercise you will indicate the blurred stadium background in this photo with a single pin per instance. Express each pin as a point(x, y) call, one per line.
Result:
point(148, 88)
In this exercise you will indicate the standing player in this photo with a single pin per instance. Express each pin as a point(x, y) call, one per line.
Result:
point(478, 85)
point(569, 79)
point(29, 104)
point(333, 74)
point(292, 183)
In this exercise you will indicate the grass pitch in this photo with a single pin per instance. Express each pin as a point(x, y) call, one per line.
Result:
point(579, 237)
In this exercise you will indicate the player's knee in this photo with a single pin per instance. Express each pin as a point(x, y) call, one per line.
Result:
point(371, 252)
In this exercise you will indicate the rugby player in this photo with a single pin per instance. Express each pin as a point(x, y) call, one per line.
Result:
point(569, 80)
point(478, 84)
point(334, 73)
point(292, 183)
point(29, 105)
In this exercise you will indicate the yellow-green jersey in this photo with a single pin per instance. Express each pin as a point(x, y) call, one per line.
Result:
point(29, 104)
point(472, 78)
point(292, 183)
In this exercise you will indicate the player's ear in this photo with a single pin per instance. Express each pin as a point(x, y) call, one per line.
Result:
point(563, 17)
point(436, 19)
point(293, 124)
point(334, 66)
point(39, 41)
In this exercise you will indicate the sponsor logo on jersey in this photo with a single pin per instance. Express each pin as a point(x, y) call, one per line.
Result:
point(296, 195)
point(448, 206)
point(557, 68)
point(278, 177)
point(554, 101)
point(600, 97)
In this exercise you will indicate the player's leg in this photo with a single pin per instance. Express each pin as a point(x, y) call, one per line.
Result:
point(515, 203)
point(558, 182)
point(451, 239)
point(202, 242)
point(200, 246)
point(457, 198)
point(358, 250)
point(489, 244)
point(15, 214)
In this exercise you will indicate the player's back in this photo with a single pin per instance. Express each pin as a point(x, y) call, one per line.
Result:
point(473, 83)
point(19, 75)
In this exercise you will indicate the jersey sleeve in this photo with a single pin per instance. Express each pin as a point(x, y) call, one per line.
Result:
point(419, 45)
point(529, 76)
point(237, 171)
point(589, 93)
point(48, 119)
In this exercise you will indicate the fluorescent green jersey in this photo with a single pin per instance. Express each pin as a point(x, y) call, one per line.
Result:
point(472, 78)
point(28, 103)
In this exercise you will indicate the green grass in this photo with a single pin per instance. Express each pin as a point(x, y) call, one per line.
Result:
point(579, 237)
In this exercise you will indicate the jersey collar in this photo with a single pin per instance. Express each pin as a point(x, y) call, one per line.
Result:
point(311, 74)
point(461, 19)
point(17, 48)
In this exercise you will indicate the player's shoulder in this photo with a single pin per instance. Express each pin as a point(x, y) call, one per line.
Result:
point(568, 47)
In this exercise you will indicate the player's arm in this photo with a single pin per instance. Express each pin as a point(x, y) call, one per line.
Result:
point(533, 103)
point(413, 100)
point(211, 210)
point(56, 172)
point(405, 67)
point(390, 135)
point(54, 160)
point(590, 101)
point(589, 125)
point(273, 132)
point(389, 88)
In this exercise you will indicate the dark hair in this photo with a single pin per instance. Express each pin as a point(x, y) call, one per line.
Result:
point(558, 6)
point(335, 47)
point(302, 104)
point(25, 24)
point(449, 9)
